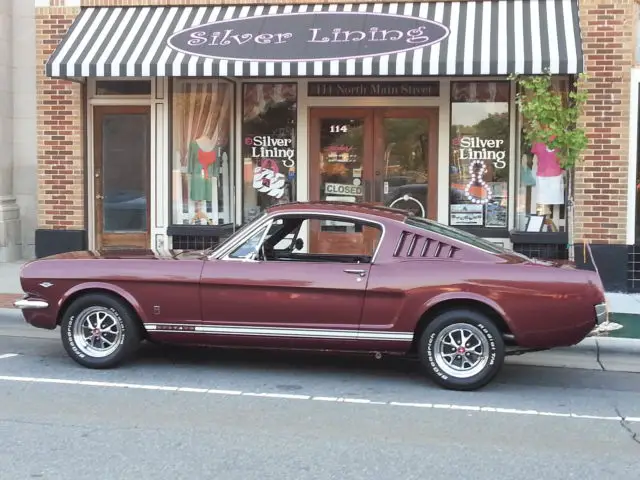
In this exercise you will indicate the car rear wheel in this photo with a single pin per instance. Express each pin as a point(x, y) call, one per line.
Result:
point(461, 350)
point(99, 331)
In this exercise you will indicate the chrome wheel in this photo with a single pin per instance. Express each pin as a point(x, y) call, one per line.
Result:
point(461, 350)
point(97, 332)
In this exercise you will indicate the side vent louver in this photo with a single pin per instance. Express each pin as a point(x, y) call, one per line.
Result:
point(411, 244)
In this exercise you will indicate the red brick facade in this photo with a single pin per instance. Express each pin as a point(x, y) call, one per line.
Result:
point(60, 130)
point(608, 30)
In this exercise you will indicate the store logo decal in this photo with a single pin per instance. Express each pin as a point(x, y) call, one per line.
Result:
point(308, 36)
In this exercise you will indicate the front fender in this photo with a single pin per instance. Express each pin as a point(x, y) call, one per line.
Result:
point(105, 287)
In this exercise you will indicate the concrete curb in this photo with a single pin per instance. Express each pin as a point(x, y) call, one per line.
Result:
point(612, 345)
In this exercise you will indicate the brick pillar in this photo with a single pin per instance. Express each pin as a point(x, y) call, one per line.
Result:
point(60, 130)
point(601, 180)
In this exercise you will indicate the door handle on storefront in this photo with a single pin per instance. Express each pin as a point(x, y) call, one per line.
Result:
point(99, 197)
point(362, 273)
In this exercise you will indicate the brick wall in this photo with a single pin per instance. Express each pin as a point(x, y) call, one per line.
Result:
point(608, 30)
point(60, 127)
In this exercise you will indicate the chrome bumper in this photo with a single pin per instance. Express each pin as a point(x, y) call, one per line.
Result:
point(602, 313)
point(603, 325)
point(26, 303)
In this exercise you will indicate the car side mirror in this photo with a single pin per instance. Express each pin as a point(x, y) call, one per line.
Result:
point(299, 244)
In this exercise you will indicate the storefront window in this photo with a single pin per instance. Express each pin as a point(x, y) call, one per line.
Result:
point(268, 146)
point(541, 183)
point(479, 166)
point(202, 174)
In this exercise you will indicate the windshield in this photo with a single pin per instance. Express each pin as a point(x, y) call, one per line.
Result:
point(455, 233)
point(237, 232)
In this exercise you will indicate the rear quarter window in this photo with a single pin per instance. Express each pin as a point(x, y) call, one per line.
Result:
point(455, 234)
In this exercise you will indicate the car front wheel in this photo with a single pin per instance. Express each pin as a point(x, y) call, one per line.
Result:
point(461, 350)
point(99, 331)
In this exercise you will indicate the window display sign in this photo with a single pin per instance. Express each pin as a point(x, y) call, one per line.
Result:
point(479, 166)
point(342, 189)
point(308, 36)
point(467, 215)
point(478, 151)
point(269, 146)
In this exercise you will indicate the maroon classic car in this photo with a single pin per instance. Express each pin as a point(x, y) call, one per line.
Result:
point(321, 276)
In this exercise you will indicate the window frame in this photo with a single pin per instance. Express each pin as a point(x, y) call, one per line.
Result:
point(174, 227)
point(484, 231)
point(520, 208)
point(240, 90)
point(268, 219)
point(252, 258)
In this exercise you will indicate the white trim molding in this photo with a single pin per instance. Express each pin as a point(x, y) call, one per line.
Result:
point(281, 332)
point(634, 98)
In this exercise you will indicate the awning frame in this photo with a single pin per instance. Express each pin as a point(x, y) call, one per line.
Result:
point(133, 42)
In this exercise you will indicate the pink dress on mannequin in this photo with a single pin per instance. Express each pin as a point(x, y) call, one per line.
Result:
point(549, 178)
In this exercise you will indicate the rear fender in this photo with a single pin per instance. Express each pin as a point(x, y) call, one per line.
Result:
point(468, 296)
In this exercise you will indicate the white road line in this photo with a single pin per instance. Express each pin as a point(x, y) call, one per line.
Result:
point(8, 355)
point(288, 396)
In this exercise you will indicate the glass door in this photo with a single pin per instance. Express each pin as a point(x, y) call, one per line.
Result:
point(383, 156)
point(406, 159)
point(341, 170)
point(122, 176)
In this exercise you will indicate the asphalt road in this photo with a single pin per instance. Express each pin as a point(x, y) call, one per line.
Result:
point(206, 414)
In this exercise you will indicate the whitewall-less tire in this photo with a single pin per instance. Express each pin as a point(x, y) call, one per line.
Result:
point(99, 331)
point(461, 349)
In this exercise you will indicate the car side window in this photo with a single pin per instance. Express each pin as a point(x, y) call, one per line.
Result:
point(248, 250)
point(325, 239)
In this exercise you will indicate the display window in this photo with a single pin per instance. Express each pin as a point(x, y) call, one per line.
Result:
point(479, 163)
point(202, 171)
point(269, 157)
point(541, 182)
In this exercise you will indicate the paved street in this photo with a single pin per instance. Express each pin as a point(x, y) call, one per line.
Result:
point(205, 414)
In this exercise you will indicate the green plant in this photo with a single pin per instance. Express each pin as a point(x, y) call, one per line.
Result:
point(547, 119)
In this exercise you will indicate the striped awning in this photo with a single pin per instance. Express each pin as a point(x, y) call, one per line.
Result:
point(494, 37)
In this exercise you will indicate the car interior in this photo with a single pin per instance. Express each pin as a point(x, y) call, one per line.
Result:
point(283, 243)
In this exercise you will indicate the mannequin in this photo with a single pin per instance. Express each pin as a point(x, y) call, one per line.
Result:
point(549, 175)
point(203, 167)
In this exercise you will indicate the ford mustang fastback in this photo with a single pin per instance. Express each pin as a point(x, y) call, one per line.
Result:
point(321, 276)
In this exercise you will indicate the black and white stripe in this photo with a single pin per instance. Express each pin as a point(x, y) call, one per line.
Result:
point(488, 37)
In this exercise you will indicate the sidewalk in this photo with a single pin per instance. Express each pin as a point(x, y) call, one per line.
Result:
point(624, 308)
point(9, 283)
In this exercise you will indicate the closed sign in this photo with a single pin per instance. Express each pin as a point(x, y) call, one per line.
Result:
point(341, 189)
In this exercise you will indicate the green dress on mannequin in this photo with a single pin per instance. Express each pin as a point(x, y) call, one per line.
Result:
point(203, 166)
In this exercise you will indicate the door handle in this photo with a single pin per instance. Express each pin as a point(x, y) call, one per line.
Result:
point(362, 273)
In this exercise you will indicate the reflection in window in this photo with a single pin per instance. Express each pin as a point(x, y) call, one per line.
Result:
point(202, 171)
point(406, 163)
point(249, 249)
point(341, 160)
point(125, 172)
point(268, 146)
point(541, 182)
point(479, 166)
